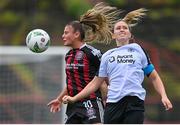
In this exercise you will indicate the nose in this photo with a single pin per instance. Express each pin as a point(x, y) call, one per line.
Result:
point(121, 29)
point(63, 36)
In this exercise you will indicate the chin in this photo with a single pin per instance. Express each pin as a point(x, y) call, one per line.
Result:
point(67, 44)
point(122, 39)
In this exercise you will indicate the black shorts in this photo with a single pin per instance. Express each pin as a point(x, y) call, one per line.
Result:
point(86, 112)
point(129, 110)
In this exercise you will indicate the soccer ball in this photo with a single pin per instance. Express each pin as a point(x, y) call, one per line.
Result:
point(38, 40)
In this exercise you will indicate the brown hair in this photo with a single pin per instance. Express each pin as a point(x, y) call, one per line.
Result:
point(78, 27)
point(133, 17)
point(97, 23)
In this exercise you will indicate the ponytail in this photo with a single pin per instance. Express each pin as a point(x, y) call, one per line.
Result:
point(98, 23)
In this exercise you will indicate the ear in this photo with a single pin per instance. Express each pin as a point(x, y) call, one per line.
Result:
point(77, 34)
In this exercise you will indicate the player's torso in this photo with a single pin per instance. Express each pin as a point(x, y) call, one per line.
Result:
point(123, 60)
point(80, 69)
point(125, 72)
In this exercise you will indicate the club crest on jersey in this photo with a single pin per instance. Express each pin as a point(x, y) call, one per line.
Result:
point(130, 50)
point(79, 55)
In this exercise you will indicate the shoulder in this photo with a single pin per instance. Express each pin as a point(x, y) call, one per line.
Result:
point(143, 52)
point(87, 46)
point(88, 49)
point(137, 47)
point(108, 52)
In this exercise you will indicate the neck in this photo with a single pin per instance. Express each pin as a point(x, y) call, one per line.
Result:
point(122, 43)
point(77, 44)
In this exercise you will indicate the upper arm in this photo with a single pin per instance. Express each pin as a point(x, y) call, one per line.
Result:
point(153, 75)
point(148, 67)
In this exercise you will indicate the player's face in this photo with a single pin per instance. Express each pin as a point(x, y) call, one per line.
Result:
point(68, 36)
point(122, 32)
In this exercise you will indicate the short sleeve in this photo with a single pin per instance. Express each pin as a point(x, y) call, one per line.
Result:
point(148, 67)
point(103, 67)
point(94, 55)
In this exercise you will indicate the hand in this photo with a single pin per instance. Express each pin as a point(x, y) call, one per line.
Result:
point(55, 105)
point(68, 99)
point(167, 104)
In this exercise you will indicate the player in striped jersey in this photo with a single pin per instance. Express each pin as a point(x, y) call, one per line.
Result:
point(82, 64)
point(125, 67)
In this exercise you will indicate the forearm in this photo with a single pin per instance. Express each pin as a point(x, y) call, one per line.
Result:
point(90, 88)
point(158, 84)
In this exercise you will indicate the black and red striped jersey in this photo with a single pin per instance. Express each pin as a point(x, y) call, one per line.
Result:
point(82, 64)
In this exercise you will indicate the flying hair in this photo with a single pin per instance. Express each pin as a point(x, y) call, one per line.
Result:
point(133, 17)
point(98, 23)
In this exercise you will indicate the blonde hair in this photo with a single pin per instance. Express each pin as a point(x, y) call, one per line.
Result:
point(99, 22)
point(133, 17)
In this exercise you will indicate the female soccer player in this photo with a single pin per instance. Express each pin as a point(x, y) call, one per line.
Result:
point(125, 67)
point(82, 63)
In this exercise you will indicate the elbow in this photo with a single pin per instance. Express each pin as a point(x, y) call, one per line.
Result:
point(153, 76)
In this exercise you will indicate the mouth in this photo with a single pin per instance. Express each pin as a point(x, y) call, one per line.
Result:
point(122, 34)
point(64, 40)
point(119, 35)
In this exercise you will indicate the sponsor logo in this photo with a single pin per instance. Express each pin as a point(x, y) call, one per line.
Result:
point(122, 59)
point(74, 66)
point(111, 59)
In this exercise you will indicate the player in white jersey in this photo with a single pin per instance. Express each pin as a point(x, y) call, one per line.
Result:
point(125, 68)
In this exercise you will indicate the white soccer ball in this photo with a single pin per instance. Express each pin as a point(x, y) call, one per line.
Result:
point(38, 40)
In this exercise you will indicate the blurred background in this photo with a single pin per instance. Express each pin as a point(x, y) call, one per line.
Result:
point(29, 81)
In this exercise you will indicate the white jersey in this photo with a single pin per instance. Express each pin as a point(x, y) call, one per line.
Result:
point(124, 67)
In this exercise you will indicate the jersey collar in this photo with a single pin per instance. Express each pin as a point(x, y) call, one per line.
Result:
point(82, 46)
